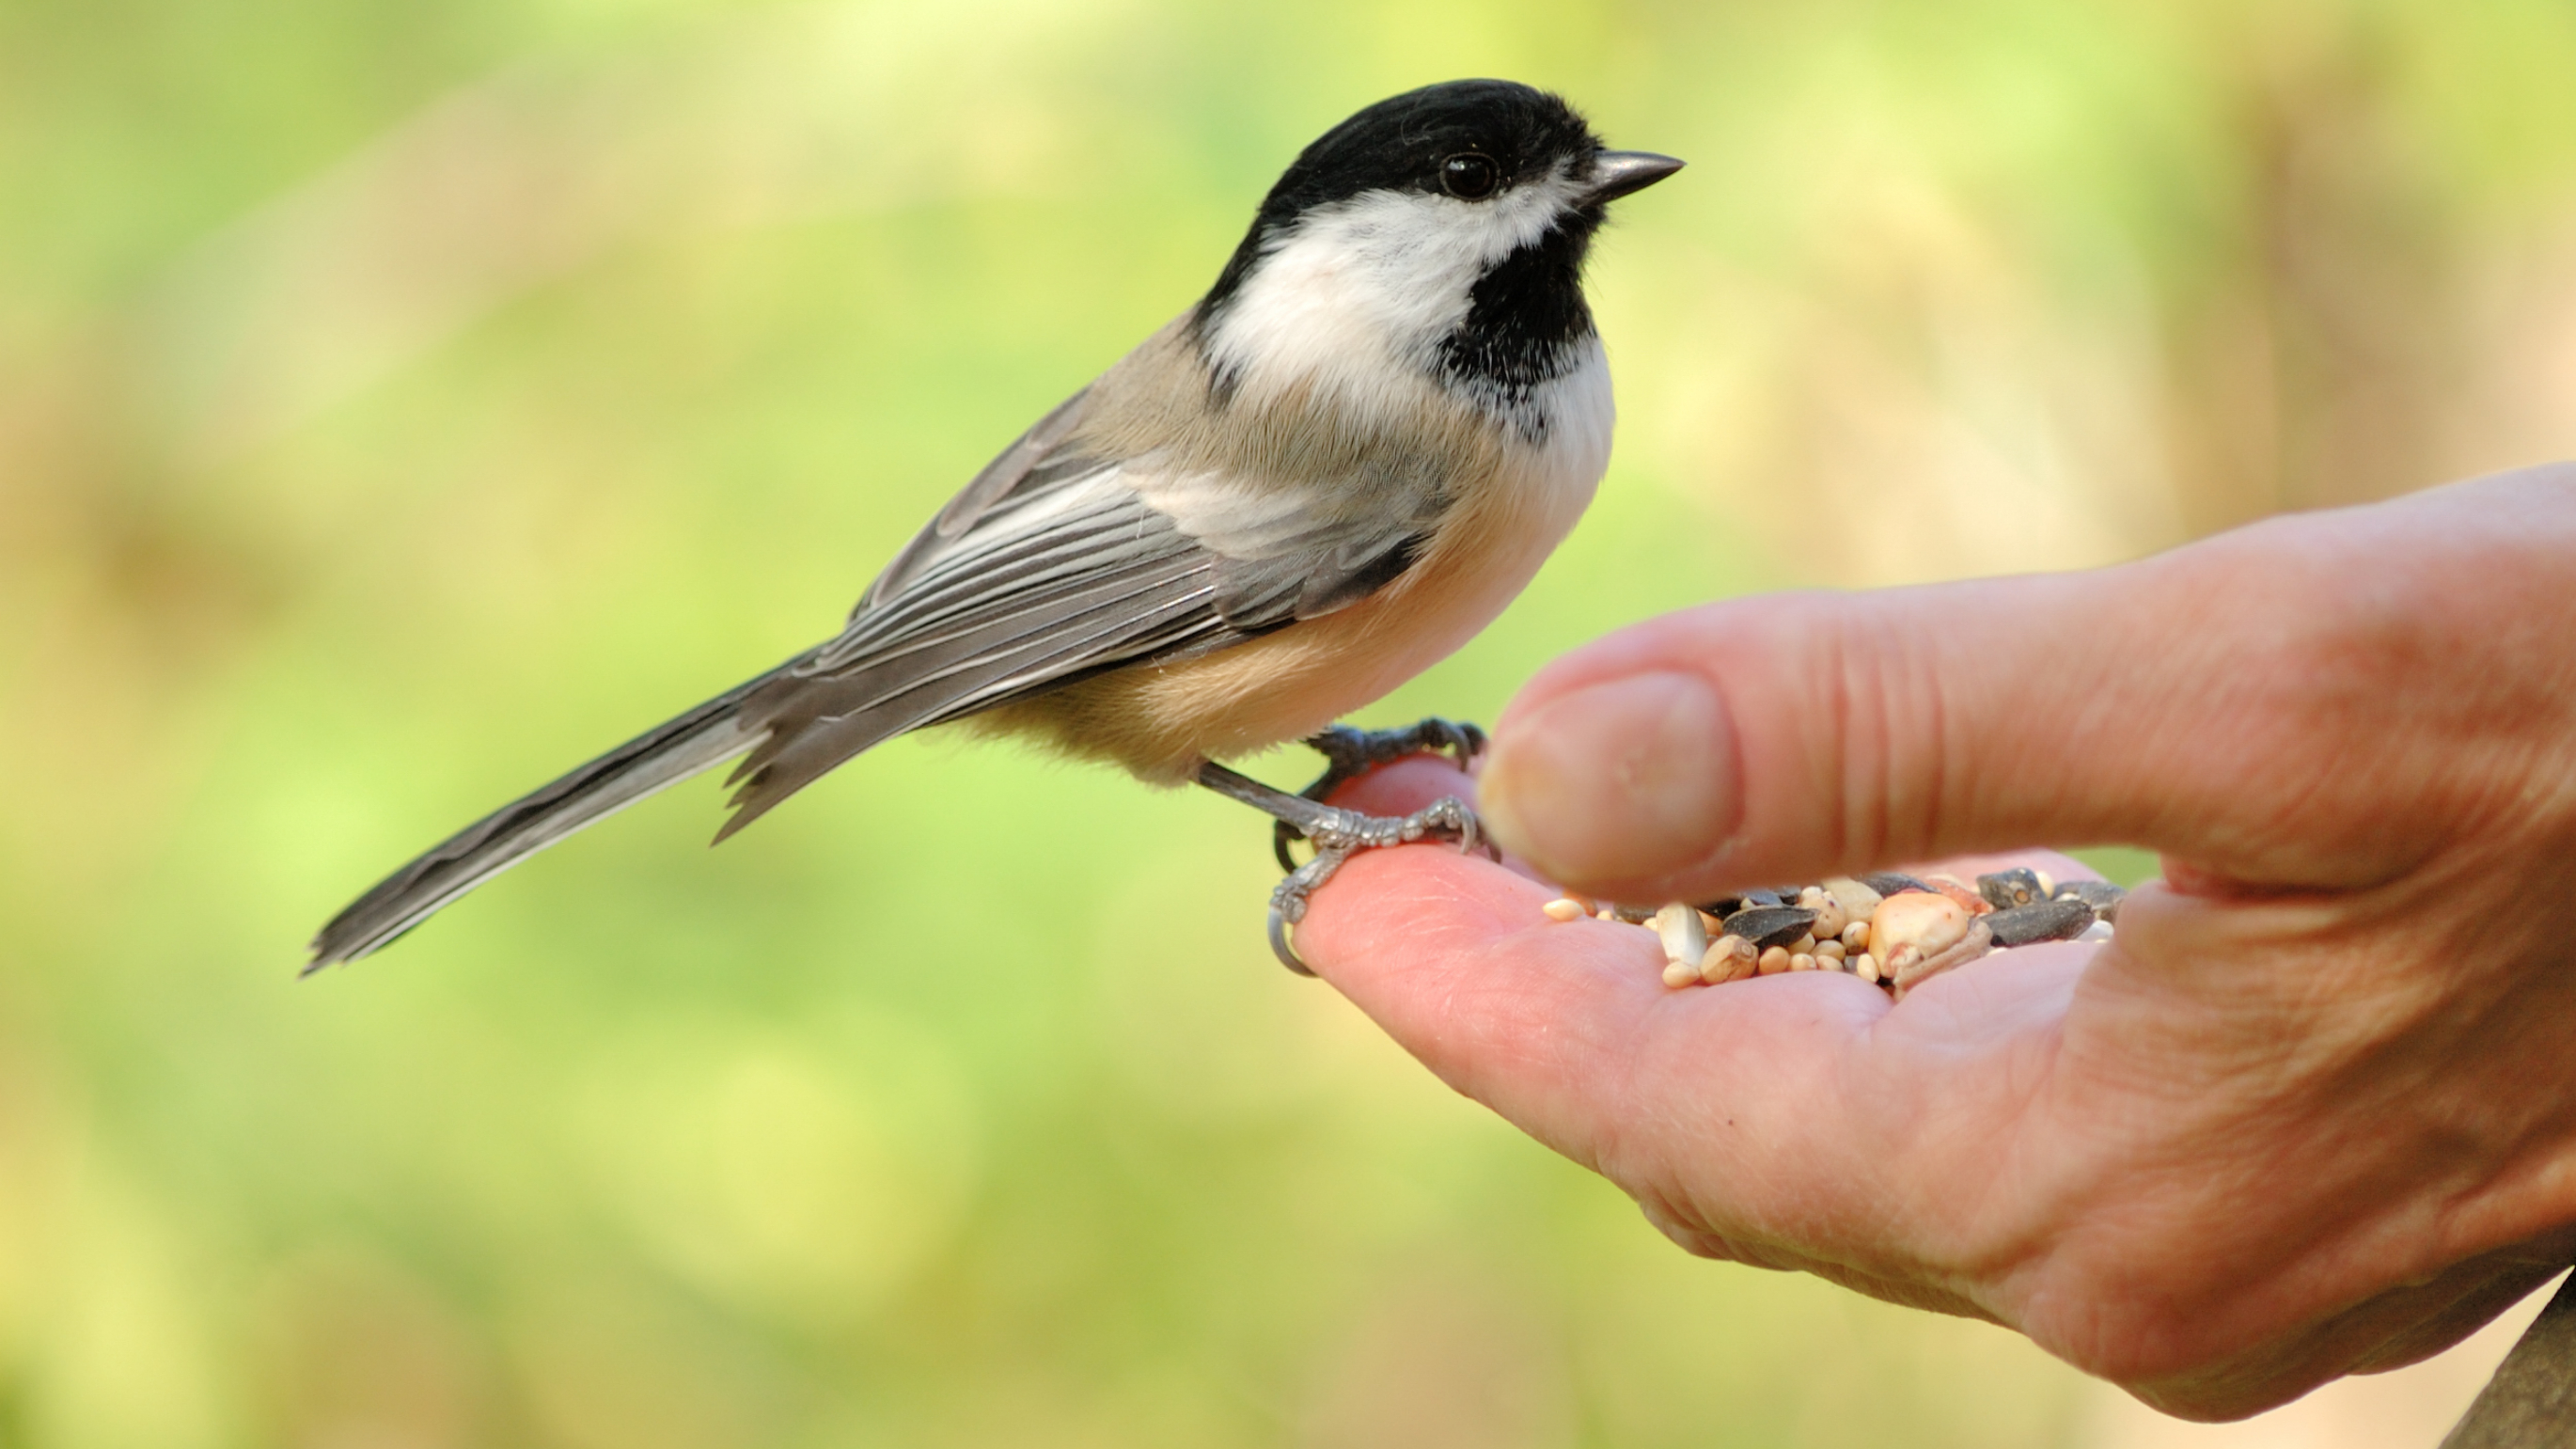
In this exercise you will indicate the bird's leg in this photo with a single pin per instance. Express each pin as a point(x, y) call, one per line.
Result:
point(1350, 753)
point(1338, 835)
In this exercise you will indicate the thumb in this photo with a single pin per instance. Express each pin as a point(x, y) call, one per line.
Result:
point(2182, 703)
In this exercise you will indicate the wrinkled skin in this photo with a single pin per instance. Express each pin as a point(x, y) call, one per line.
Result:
point(2312, 1112)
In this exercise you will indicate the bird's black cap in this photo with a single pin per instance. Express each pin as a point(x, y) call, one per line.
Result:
point(1402, 144)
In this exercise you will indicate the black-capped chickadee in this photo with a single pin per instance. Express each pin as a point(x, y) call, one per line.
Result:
point(1327, 474)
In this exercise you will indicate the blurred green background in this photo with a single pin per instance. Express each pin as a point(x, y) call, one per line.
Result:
point(401, 402)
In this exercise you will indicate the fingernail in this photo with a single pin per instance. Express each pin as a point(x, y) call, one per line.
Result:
point(1615, 782)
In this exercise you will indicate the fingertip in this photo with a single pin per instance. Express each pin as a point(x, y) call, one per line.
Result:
point(1453, 956)
point(1622, 780)
point(1404, 911)
point(1406, 785)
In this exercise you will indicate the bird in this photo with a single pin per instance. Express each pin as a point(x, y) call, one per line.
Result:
point(1329, 472)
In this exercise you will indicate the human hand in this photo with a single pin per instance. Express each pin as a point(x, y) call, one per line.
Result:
point(2307, 1114)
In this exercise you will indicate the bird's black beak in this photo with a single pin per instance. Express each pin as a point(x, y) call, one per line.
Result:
point(1617, 173)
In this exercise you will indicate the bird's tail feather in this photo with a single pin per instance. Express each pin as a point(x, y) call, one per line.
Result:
point(673, 751)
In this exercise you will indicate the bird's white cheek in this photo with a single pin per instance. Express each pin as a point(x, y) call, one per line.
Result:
point(1359, 295)
point(1313, 310)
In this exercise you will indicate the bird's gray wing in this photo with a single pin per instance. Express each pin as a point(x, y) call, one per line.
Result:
point(1053, 566)
point(1037, 459)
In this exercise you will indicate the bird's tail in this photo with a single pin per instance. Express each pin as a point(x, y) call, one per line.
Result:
point(661, 757)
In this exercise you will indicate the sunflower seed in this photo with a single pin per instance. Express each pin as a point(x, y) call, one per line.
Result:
point(2057, 920)
point(1770, 925)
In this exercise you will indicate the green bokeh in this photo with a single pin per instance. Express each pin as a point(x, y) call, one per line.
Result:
point(398, 404)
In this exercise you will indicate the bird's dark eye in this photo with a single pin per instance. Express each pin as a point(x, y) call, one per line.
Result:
point(1468, 176)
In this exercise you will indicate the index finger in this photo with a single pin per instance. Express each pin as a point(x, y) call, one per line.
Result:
point(1566, 1030)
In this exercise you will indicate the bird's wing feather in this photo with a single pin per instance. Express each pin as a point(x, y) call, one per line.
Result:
point(1018, 467)
point(1051, 567)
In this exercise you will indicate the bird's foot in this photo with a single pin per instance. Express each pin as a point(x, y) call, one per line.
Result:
point(1350, 752)
point(1345, 833)
point(1338, 835)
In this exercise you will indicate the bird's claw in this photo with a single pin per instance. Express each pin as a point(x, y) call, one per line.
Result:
point(1342, 834)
